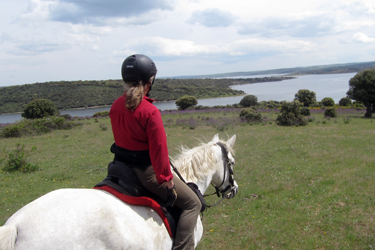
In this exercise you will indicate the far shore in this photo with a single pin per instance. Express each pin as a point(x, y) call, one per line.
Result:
point(104, 106)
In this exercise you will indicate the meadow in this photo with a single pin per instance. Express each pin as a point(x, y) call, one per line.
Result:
point(300, 187)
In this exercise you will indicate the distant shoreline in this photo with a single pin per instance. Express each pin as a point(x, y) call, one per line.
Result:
point(92, 107)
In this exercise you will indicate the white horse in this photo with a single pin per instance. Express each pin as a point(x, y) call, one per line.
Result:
point(95, 219)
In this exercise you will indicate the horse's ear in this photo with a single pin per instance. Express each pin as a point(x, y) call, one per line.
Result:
point(216, 138)
point(231, 141)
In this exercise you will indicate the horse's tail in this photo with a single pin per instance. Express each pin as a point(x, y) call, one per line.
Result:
point(8, 235)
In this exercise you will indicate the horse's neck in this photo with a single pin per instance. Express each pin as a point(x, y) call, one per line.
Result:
point(203, 185)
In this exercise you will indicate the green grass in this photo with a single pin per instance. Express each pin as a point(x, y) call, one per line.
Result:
point(307, 187)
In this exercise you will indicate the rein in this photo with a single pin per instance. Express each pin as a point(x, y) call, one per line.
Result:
point(227, 164)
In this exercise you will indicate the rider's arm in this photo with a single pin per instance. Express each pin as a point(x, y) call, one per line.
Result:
point(158, 148)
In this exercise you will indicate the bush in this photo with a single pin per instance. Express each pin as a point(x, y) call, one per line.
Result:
point(305, 111)
point(18, 160)
point(186, 102)
point(101, 113)
point(40, 108)
point(345, 101)
point(250, 115)
point(35, 126)
point(330, 112)
point(249, 100)
point(60, 122)
point(12, 130)
point(290, 114)
point(269, 104)
point(358, 105)
point(200, 107)
point(103, 127)
point(328, 101)
point(66, 116)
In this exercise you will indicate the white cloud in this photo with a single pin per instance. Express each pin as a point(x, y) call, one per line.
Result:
point(363, 38)
point(306, 26)
point(163, 47)
point(212, 18)
point(37, 9)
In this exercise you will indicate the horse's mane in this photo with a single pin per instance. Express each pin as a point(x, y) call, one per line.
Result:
point(196, 163)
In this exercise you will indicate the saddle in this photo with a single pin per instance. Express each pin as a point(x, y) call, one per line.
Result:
point(122, 182)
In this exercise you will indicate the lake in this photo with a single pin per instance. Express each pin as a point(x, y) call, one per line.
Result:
point(329, 85)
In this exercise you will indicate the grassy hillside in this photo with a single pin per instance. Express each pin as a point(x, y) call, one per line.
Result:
point(310, 70)
point(307, 187)
point(77, 94)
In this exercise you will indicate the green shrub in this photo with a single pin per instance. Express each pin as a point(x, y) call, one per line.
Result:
point(290, 114)
point(186, 102)
point(330, 112)
point(101, 113)
point(11, 130)
point(201, 107)
point(305, 111)
point(66, 116)
point(250, 114)
point(305, 97)
point(103, 127)
point(36, 126)
point(59, 122)
point(18, 160)
point(328, 101)
point(40, 108)
point(358, 105)
point(345, 101)
point(269, 104)
point(249, 100)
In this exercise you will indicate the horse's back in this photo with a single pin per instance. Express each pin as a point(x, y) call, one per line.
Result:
point(87, 219)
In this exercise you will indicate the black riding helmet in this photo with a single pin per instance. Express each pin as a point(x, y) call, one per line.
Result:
point(138, 67)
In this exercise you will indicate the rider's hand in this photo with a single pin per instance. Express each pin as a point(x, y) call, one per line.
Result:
point(170, 184)
point(171, 196)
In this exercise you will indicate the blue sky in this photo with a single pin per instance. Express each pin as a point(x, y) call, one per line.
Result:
point(53, 40)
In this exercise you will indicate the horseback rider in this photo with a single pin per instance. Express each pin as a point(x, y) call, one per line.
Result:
point(141, 143)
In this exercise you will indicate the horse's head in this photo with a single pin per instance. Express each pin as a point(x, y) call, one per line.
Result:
point(223, 179)
point(210, 163)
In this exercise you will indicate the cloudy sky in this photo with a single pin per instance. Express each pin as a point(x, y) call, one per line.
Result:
point(53, 40)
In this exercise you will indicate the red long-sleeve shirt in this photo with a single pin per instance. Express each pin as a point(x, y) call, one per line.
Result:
point(142, 129)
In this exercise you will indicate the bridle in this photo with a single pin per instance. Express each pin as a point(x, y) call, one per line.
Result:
point(228, 164)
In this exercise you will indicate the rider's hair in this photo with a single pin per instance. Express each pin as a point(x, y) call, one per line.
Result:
point(134, 92)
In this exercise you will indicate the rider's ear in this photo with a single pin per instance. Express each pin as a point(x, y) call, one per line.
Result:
point(231, 141)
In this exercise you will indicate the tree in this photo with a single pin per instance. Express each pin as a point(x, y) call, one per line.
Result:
point(306, 97)
point(328, 101)
point(249, 100)
point(40, 108)
point(345, 101)
point(362, 89)
point(186, 102)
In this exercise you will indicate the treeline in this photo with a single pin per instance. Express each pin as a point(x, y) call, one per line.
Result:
point(80, 94)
